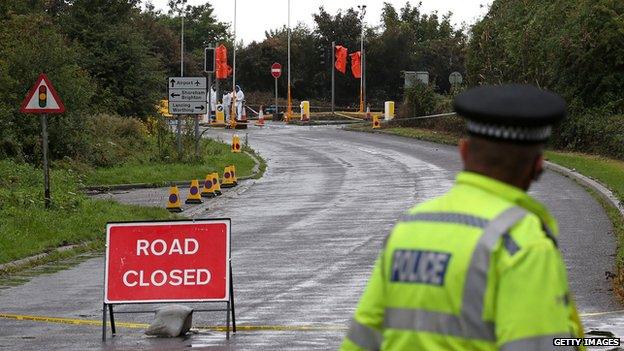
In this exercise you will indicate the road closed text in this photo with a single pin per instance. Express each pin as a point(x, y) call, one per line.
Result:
point(167, 261)
point(174, 277)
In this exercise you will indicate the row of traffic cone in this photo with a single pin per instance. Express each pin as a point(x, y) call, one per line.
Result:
point(211, 188)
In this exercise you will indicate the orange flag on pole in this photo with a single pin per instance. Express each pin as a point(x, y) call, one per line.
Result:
point(341, 59)
point(356, 66)
point(223, 69)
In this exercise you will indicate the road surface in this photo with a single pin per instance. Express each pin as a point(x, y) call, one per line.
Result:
point(305, 237)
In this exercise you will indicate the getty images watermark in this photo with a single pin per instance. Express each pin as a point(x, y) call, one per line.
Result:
point(586, 342)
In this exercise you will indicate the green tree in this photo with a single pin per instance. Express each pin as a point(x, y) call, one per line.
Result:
point(412, 41)
point(574, 48)
point(117, 55)
point(33, 44)
point(580, 57)
point(201, 29)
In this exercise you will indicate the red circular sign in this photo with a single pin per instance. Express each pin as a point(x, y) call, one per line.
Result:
point(276, 70)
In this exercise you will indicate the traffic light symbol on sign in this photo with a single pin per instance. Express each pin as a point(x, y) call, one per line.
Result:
point(43, 96)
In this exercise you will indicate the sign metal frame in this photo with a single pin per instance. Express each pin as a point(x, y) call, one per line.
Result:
point(107, 306)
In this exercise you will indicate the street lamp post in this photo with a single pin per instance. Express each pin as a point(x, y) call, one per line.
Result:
point(179, 125)
point(362, 9)
point(289, 109)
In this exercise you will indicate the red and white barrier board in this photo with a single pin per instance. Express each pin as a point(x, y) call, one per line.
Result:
point(167, 261)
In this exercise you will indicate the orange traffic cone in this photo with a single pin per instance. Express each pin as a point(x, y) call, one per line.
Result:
point(173, 202)
point(233, 174)
point(209, 188)
point(216, 184)
point(194, 194)
point(228, 181)
point(260, 122)
point(376, 124)
point(236, 145)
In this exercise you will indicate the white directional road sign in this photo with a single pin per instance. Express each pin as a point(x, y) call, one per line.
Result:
point(187, 95)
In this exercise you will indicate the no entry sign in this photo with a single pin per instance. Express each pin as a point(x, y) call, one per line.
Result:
point(276, 70)
point(167, 261)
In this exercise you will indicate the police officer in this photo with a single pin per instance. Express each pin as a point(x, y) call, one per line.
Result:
point(477, 268)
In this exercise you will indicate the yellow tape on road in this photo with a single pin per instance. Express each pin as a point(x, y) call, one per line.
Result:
point(591, 314)
point(74, 321)
point(130, 325)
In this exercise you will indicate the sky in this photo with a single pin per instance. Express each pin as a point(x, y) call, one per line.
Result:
point(254, 17)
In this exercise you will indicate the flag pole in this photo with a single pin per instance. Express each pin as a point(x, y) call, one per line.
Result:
point(362, 14)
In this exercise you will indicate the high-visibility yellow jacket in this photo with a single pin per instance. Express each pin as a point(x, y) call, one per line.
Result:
point(475, 269)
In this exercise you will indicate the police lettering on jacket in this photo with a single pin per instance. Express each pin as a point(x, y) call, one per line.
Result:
point(416, 266)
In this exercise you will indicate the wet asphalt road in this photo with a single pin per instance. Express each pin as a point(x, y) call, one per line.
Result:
point(304, 238)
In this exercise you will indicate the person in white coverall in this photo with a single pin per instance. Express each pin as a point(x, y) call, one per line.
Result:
point(240, 98)
point(213, 104)
point(227, 105)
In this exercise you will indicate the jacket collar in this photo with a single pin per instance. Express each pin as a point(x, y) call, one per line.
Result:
point(510, 193)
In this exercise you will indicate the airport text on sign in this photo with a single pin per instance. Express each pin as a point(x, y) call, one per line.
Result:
point(167, 261)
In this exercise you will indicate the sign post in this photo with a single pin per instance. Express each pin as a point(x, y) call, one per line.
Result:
point(43, 99)
point(333, 70)
point(276, 72)
point(209, 67)
point(168, 261)
point(46, 168)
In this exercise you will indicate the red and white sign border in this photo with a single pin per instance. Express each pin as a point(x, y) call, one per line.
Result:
point(226, 221)
point(276, 72)
point(42, 77)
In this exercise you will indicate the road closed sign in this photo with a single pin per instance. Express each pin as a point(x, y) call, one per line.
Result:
point(167, 261)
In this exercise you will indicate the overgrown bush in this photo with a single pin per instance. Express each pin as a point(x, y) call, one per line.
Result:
point(421, 100)
point(112, 140)
point(592, 132)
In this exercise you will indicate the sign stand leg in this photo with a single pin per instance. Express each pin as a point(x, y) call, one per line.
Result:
point(227, 322)
point(112, 319)
point(104, 322)
point(232, 299)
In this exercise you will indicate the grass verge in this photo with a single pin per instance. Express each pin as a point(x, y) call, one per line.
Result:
point(215, 156)
point(27, 228)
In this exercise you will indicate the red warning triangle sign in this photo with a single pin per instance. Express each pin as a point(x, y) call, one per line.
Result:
point(42, 98)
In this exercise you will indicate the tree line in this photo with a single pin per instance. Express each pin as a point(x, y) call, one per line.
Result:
point(113, 56)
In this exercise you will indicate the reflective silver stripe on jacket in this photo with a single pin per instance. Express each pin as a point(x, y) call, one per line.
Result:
point(364, 336)
point(476, 277)
point(469, 324)
point(446, 217)
point(538, 343)
point(425, 321)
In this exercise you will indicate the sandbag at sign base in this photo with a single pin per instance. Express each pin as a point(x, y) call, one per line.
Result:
point(171, 321)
